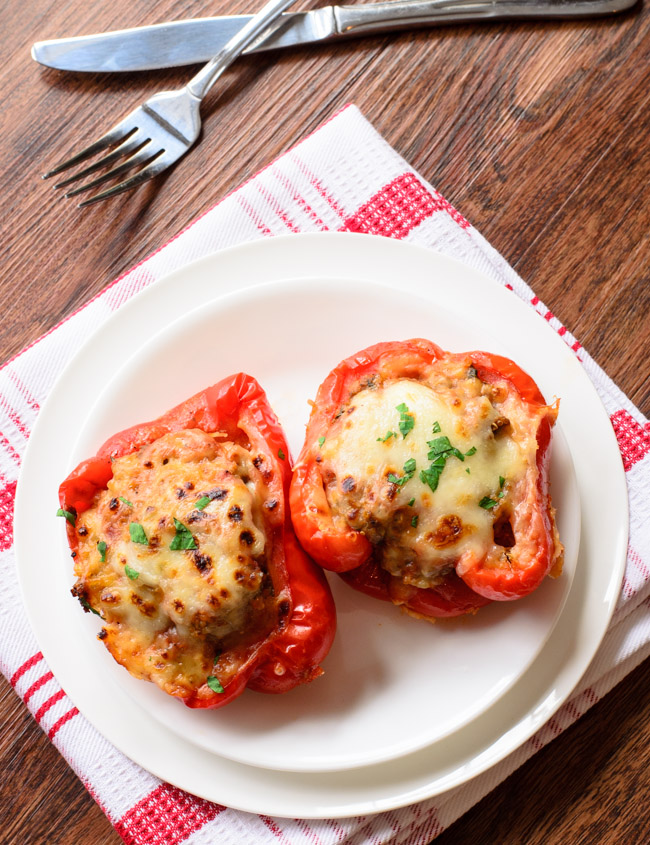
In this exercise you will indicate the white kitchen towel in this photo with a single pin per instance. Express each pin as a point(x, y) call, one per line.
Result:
point(343, 177)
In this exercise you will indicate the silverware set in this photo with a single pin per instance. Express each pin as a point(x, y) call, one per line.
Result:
point(161, 130)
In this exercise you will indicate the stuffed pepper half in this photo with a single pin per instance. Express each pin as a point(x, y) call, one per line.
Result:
point(182, 544)
point(424, 478)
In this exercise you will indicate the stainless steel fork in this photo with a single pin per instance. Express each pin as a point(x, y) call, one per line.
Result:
point(162, 129)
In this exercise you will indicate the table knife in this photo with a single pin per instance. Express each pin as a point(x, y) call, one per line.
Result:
point(192, 41)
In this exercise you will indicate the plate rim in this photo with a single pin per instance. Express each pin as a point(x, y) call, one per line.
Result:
point(310, 242)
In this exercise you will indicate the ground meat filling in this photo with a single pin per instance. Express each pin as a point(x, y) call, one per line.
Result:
point(429, 468)
point(173, 557)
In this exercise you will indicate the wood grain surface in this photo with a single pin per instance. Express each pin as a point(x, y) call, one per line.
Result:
point(537, 132)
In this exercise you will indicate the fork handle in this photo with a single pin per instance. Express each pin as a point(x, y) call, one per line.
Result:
point(200, 84)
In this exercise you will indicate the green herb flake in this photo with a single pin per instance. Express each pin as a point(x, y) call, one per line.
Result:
point(467, 471)
point(137, 534)
point(183, 539)
point(441, 447)
point(126, 501)
point(321, 440)
point(203, 502)
point(470, 452)
point(409, 466)
point(130, 573)
point(406, 419)
point(68, 515)
point(281, 454)
point(502, 481)
point(215, 684)
point(386, 437)
point(436, 427)
point(414, 521)
point(101, 548)
point(471, 372)
point(87, 606)
point(409, 472)
point(487, 503)
point(411, 503)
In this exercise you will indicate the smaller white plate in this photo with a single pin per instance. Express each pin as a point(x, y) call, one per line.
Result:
point(392, 685)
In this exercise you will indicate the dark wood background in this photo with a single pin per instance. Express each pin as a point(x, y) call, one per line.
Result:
point(537, 132)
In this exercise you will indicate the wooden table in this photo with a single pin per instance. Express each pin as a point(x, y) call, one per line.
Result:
point(538, 132)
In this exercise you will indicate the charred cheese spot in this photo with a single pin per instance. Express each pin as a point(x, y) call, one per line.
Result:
point(167, 622)
point(420, 533)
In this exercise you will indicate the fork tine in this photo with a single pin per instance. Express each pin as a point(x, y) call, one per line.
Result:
point(143, 156)
point(116, 134)
point(152, 169)
point(131, 145)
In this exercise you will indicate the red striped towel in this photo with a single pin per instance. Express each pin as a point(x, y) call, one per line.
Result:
point(343, 177)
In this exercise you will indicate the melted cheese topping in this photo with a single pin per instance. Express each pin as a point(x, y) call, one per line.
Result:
point(169, 611)
point(373, 478)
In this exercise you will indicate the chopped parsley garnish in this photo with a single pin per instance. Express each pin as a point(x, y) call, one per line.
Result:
point(203, 502)
point(281, 454)
point(101, 548)
point(487, 503)
point(467, 471)
point(406, 419)
point(137, 534)
point(502, 481)
point(215, 684)
point(409, 472)
point(183, 539)
point(470, 452)
point(440, 449)
point(126, 501)
point(436, 427)
point(386, 437)
point(130, 573)
point(68, 515)
point(87, 606)
point(411, 503)
point(321, 440)
point(414, 521)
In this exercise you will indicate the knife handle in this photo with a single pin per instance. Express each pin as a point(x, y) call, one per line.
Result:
point(409, 13)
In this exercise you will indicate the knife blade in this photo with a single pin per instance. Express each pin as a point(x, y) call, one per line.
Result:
point(192, 41)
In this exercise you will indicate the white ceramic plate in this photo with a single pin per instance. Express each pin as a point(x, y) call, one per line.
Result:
point(382, 662)
point(470, 299)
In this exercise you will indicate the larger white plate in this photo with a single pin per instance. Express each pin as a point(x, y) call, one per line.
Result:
point(489, 736)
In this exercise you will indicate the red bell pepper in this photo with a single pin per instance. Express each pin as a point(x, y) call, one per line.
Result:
point(328, 538)
point(301, 638)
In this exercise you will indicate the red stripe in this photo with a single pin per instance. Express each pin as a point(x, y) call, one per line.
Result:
point(277, 208)
point(398, 208)
point(7, 499)
point(318, 186)
point(27, 665)
point(37, 685)
point(15, 417)
point(166, 816)
point(10, 449)
point(561, 331)
point(633, 438)
point(638, 562)
point(309, 833)
point(297, 197)
point(47, 705)
point(254, 216)
point(24, 391)
point(275, 830)
point(61, 722)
